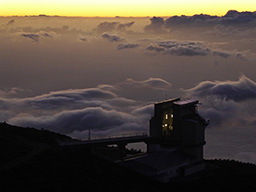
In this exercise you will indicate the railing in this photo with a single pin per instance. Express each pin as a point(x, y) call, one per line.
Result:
point(117, 136)
point(100, 139)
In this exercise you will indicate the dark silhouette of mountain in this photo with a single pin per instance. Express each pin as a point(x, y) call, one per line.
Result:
point(32, 160)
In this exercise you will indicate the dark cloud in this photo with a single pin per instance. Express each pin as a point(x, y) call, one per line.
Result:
point(232, 17)
point(185, 50)
point(98, 119)
point(45, 34)
point(215, 117)
point(122, 27)
point(34, 37)
point(103, 109)
point(127, 46)
point(156, 48)
point(11, 22)
point(83, 39)
point(70, 98)
point(95, 118)
point(112, 26)
point(241, 90)
point(41, 34)
point(106, 27)
point(156, 25)
point(180, 49)
point(74, 111)
point(223, 31)
point(221, 54)
point(195, 20)
point(238, 34)
point(222, 112)
point(112, 37)
point(122, 103)
point(240, 56)
point(227, 104)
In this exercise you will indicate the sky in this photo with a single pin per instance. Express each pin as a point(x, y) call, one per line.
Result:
point(72, 74)
point(112, 8)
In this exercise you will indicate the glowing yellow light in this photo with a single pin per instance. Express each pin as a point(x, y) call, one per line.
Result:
point(123, 8)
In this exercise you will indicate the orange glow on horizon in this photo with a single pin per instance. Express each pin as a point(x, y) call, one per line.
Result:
point(125, 8)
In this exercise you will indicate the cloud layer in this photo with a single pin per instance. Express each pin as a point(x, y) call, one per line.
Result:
point(127, 46)
point(34, 37)
point(52, 82)
point(112, 37)
point(75, 111)
point(156, 26)
point(107, 107)
point(112, 26)
point(240, 90)
point(227, 104)
point(231, 18)
point(180, 48)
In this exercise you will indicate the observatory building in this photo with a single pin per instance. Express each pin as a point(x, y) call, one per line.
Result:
point(175, 148)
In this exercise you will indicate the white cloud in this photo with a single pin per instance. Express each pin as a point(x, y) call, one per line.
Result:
point(240, 90)
point(74, 111)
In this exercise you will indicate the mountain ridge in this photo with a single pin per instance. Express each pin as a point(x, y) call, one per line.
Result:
point(32, 159)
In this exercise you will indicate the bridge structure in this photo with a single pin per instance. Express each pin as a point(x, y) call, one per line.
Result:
point(121, 142)
point(174, 145)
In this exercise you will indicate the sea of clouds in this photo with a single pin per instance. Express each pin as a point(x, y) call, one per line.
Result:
point(70, 75)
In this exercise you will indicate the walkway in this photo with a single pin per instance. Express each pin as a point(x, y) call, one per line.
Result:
point(107, 141)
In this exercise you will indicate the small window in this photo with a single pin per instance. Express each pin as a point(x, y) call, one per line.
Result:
point(166, 116)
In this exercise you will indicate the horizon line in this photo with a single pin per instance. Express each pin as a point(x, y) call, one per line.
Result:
point(120, 16)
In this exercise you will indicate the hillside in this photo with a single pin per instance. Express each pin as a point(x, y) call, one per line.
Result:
point(31, 159)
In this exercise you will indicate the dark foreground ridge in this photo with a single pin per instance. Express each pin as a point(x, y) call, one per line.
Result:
point(32, 160)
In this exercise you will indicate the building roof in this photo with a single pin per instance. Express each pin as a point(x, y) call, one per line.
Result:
point(159, 160)
point(168, 101)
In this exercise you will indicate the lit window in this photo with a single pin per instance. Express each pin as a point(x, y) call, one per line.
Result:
point(165, 125)
point(171, 115)
point(166, 116)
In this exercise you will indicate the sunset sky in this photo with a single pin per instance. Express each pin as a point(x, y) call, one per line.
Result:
point(122, 8)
